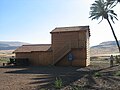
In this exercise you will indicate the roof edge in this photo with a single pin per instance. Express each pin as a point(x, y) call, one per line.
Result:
point(37, 45)
point(70, 27)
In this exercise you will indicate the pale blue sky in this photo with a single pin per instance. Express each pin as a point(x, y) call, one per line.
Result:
point(32, 20)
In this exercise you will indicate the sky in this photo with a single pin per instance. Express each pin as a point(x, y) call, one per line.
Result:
point(32, 20)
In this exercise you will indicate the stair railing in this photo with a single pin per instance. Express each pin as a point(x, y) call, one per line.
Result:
point(60, 53)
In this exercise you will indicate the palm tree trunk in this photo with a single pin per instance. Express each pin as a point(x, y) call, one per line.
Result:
point(114, 35)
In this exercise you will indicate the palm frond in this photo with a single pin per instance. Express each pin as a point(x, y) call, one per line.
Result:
point(111, 3)
point(112, 12)
point(95, 17)
point(101, 20)
point(103, 8)
point(112, 18)
point(116, 18)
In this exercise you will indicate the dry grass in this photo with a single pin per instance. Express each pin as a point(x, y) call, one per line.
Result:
point(6, 53)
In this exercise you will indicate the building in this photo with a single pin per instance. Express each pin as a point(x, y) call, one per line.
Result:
point(70, 47)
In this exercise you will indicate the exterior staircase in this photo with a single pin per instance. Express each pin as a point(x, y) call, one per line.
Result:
point(61, 53)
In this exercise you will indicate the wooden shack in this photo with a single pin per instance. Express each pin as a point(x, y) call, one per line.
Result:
point(70, 47)
point(37, 54)
point(71, 40)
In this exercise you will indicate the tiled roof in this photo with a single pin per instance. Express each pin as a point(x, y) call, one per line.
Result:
point(69, 29)
point(34, 47)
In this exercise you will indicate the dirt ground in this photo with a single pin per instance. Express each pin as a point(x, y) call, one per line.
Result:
point(73, 78)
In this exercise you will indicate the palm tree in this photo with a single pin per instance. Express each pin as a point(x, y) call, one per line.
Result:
point(103, 9)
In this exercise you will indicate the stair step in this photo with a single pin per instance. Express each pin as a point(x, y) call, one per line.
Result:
point(58, 59)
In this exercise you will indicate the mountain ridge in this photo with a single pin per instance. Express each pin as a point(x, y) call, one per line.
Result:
point(11, 45)
point(107, 47)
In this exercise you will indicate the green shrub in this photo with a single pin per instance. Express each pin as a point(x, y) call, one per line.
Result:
point(43, 89)
point(58, 83)
point(77, 88)
point(97, 74)
point(4, 60)
point(117, 73)
point(117, 59)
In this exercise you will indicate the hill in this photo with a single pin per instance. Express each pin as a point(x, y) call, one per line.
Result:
point(108, 47)
point(104, 48)
point(10, 45)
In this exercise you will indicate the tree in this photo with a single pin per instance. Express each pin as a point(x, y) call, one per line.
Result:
point(103, 9)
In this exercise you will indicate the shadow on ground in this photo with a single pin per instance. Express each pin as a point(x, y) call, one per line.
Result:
point(47, 75)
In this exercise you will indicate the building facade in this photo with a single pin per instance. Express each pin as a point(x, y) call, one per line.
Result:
point(69, 47)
